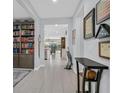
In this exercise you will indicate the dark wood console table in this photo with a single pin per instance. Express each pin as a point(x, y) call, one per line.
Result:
point(89, 64)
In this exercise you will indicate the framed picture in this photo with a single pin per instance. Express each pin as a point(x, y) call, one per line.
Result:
point(103, 31)
point(73, 36)
point(39, 42)
point(63, 41)
point(104, 49)
point(89, 25)
point(102, 11)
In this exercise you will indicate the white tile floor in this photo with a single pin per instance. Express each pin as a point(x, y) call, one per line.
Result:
point(52, 78)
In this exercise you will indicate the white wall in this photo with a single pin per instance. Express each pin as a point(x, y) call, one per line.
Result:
point(53, 31)
point(89, 48)
point(78, 46)
point(38, 61)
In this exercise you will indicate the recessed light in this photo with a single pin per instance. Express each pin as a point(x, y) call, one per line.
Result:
point(54, 1)
point(56, 25)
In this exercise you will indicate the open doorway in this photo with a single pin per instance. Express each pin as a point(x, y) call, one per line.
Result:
point(55, 40)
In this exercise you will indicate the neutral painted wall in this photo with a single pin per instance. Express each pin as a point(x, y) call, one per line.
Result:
point(53, 31)
point(89, 48)
point(78, 46)
point(38, 61)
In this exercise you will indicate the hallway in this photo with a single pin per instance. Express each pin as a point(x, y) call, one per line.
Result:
point(52, 78)
point(79, 27)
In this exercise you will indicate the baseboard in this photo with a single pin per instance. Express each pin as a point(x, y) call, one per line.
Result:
point(37, 68)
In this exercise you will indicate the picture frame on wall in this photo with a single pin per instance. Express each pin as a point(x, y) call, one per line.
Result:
point(104, 49)
point(39, 42)
point(103, 31)
point(89, 24)
point(73, 36)
point(102, 11)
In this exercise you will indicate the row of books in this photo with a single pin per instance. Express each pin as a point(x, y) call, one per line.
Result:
point(23, 51)
point(16, 27)
point(15, 50)
point(27, 39)
point(23, 39)
point(16, 45)
point(16, 33)
point(27, 51)
point(28, 32)
point(27, 45)
point(23, 26)
point(16, 39)
point(27, 26)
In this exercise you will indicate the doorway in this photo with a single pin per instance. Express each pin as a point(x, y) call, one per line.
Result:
point(55, 38)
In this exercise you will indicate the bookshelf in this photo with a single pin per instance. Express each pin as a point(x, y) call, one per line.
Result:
point(23, 44)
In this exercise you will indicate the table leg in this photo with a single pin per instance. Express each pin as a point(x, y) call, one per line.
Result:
point(99, 74)
point(83, 81)
point(89, 87)
point(78, 79)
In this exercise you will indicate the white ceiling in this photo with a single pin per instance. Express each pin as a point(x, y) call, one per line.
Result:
point(55, 32)
point(19, 11)
point(48, 9)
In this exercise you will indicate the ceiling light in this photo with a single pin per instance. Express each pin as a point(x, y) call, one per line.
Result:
point(54, 1)
point(56, 25)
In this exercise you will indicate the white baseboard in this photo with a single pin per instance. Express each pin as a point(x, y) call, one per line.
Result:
point(37, 68)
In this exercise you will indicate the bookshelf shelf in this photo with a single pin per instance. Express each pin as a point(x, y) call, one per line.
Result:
point(27, 29)
point(28, 42)
point(27, 35)
point(16, 36)
point(23, 44)
point(27, 47)
point(16, 30)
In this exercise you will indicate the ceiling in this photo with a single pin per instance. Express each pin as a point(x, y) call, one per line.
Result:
point(19, 11)
point(48, 9)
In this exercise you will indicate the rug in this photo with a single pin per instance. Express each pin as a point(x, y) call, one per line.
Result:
point(19, 74)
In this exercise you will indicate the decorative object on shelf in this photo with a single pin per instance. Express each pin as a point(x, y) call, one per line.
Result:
point(89, 25)
point(103, 31)
point(104, 49)
point(39, 41)
point(102, 11)
point(73, 36)
point(91, 75)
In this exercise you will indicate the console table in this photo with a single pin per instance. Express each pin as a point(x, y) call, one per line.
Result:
point(89, 64)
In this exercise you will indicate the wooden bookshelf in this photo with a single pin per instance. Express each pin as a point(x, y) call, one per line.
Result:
point(23, 44)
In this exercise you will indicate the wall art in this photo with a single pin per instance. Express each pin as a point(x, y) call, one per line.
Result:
point(102, 11)
point(73, 36)
point(89, 25)
point(104, 49)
